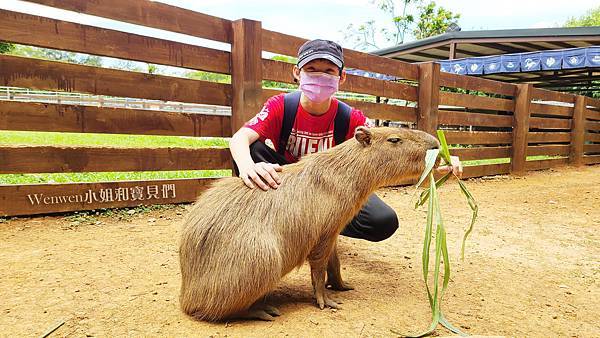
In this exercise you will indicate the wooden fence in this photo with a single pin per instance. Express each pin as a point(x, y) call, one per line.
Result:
point(508, 122)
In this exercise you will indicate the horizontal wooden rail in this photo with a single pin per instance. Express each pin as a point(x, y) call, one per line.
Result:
point(282, 72)
point(546, 109)
point(539, 137)
point(592, 102)
point(549, 123)
point(591, 148)
point(592, 115)
point(151, 14)
point(31, 199)
point(548, 95)
point(550, 150)
point(384, 111)
point(288, 45)
point(594, 159)
point(477, 83)
point(49, 75)
point(461, 137)
point(476, 102)
point(50, 33)
point(592, 125)
point(486, 170)
point(592, 137)
point(480, 153)
point(88, 119)
point(473, 119)
point(545, 164)
point(55, 159)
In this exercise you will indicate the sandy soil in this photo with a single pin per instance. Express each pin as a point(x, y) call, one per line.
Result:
point(532, 268)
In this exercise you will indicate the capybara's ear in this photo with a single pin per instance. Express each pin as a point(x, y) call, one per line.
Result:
point(363, 135)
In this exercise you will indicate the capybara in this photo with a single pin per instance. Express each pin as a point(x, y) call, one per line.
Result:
point(237, 243)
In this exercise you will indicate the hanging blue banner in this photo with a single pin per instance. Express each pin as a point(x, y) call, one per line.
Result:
point(551, 59)
point(509, 63)
point(574, 58)
point(530, 62)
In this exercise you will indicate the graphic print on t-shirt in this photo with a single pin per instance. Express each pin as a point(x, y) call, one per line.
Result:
point(302, 143)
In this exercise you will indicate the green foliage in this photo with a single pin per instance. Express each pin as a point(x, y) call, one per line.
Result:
point(208, 76)
point(589, 19)
point(285, 58)
point(6, 47)
point(57, 55)
point(433, 21)
point(401, 17)
point(152, 69)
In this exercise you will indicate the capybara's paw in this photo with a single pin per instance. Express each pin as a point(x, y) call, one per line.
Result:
point(328, 302)
point(343, 286)
point(258, 314)
point(273, 311)
point(332, 304)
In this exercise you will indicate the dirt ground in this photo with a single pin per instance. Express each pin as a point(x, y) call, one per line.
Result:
point(532, 268)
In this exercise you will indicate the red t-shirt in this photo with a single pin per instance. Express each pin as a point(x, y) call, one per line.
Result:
point(310, 133)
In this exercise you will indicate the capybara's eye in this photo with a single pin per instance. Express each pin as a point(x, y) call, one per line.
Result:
point(394, 139)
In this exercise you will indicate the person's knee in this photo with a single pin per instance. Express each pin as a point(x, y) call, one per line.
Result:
point(384, 226)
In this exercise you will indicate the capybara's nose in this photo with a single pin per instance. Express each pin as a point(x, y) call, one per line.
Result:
point(434, 144)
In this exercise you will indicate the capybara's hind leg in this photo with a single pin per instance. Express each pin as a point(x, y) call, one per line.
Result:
point(334, 275)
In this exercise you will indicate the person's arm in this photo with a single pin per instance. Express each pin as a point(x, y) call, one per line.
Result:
point(253, 174)
point(455, 166)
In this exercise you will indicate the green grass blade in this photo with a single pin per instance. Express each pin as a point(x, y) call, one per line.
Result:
point(443, 146)
point(451, 327)
point(434, 217)
point(427, 245)
point(424, 196)
point(475, 209)
point(430, 159)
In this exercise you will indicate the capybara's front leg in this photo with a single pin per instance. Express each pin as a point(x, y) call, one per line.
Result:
point(334, 275)
point(317, 272)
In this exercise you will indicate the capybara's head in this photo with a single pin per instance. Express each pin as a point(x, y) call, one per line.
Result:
point(396, 153)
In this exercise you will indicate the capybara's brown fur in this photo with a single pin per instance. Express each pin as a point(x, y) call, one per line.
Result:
point(237, 243)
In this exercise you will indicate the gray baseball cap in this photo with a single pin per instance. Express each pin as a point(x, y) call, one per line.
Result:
point(320, 49)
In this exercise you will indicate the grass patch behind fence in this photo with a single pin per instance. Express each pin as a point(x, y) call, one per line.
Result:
point(31, 138)
point(107, 140)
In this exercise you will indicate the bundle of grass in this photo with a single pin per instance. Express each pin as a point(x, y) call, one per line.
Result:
point(434, 219)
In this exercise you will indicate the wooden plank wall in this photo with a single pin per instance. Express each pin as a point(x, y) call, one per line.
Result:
point(477, 115)
point(244, 95)
point(485, 119)
point(31, 73)
point(591, 131)
point(550, 129)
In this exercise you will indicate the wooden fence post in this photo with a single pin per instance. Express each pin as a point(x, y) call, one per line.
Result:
point(520, 129)
point(429, 96)
point(246, 71)
point(577, 132)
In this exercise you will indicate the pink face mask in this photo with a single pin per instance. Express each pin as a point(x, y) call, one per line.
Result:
point(318, 87)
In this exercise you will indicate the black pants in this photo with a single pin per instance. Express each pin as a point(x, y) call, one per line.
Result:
point(375, 222)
